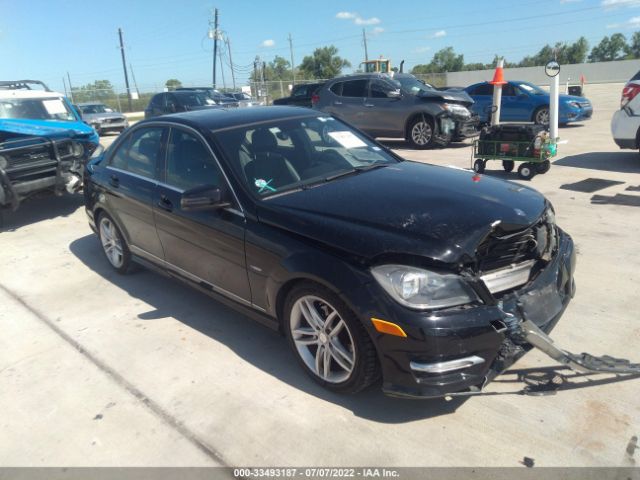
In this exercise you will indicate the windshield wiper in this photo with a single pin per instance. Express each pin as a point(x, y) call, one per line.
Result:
point(361, 168)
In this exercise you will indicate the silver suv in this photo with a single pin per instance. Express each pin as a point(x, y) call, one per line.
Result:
point(399, 106)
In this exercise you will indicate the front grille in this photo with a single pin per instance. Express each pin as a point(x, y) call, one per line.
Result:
point(30, 159)
point(504, 249)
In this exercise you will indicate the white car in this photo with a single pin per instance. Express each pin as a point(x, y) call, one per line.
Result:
point(625, 125)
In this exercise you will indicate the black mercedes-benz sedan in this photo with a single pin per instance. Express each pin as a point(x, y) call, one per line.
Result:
point(371, 265)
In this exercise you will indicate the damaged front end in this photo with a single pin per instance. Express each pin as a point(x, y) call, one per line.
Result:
point(30, 165)
point(524, 282)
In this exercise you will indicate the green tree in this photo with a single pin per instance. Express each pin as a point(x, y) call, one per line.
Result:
point(172, 84)
point(610, 48)
point(323, 64)
point(577, 52)
point(634, 46)
point(445, 60)
point(99, 90)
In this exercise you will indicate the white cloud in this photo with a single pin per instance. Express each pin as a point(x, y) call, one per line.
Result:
point(620, 3)
point(345, 15)
point(633, 22)
point(268, 43)
point(366, 21)
point(377, 30)
point(439, 33)
point(422, 49)
point(357, 19)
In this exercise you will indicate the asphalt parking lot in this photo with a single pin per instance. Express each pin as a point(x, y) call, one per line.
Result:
point(98, 369)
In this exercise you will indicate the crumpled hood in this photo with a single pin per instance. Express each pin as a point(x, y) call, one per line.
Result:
point(405, 209)
point(452, 96)
point(46, 128)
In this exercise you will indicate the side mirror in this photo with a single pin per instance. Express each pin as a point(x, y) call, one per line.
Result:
point(522, 96)
point(205, 197)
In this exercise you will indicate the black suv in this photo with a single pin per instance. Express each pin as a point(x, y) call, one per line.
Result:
point(178, 101)
point(399, 106)
point(369, 264)
point(301, 95)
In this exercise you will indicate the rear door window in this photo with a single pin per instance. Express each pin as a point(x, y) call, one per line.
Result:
point(337, 88)
point(484, 89)
point(354, 88)
point(636, 77)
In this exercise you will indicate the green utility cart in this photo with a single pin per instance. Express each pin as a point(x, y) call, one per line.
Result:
point(535, 154)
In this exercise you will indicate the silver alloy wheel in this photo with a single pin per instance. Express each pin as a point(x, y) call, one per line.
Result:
point(111, 242)
point(421, 133)
point(525, 171)
point(542, 117)
point(322, 339)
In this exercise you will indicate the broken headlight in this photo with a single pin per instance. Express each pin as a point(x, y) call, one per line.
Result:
point(459, 110)
point(77, 149)
point(422, 289)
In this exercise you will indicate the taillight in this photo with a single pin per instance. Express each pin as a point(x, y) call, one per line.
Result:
point(629, 93)
point(315, 99)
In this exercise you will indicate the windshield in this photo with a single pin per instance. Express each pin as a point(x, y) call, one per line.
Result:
point(531, 88)
point(97, 108)
point(36, 109)
point(412, 85)
point(284, 155)
point(195, 99)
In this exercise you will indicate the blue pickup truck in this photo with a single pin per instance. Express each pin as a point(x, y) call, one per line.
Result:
point(43, 142)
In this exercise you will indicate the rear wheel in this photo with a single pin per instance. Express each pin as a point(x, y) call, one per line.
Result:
point(328, 340)
point(113, 244)
point(508, 165)
point(543, 167)
point(421, 133)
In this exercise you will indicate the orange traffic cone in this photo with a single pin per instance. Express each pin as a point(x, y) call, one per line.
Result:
point(498, 76)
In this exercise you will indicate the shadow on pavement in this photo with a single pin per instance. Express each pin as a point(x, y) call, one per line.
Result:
point(38, 209)
point(622, 162)
point(404, 145)
point(251, 341)
point(269, 351)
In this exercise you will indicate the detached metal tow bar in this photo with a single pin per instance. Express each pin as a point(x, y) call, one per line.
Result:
point(583, 362)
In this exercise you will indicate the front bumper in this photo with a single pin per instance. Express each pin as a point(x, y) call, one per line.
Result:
point(576, 115)
point(461, 349)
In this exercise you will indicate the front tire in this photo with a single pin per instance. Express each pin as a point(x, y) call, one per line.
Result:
point(421, 133)
point(508, 165)
point(526, 171)
point(541, 116)
point(328, 339)
point(113, 244)
point(479, 165)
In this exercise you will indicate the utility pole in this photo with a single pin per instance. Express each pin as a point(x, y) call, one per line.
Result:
point(124, 67)
point(233, 75)
point(255, 76)
point(134, 80)
point(224, 82)
point(214, 34)
point(70, 87)
point(293, 68)
point(364, 39)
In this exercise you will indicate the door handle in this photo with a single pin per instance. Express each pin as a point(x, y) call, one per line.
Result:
point(368, 105)
point(165, 204)
point(114, 181)
point(337, 103)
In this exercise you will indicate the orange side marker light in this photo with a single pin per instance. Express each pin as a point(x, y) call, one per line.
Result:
point(389, 328)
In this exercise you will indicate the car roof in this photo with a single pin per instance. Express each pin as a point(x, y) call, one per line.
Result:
point(223, 118)
point(29, 94)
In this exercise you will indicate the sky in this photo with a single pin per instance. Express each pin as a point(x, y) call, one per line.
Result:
point(45, 39)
